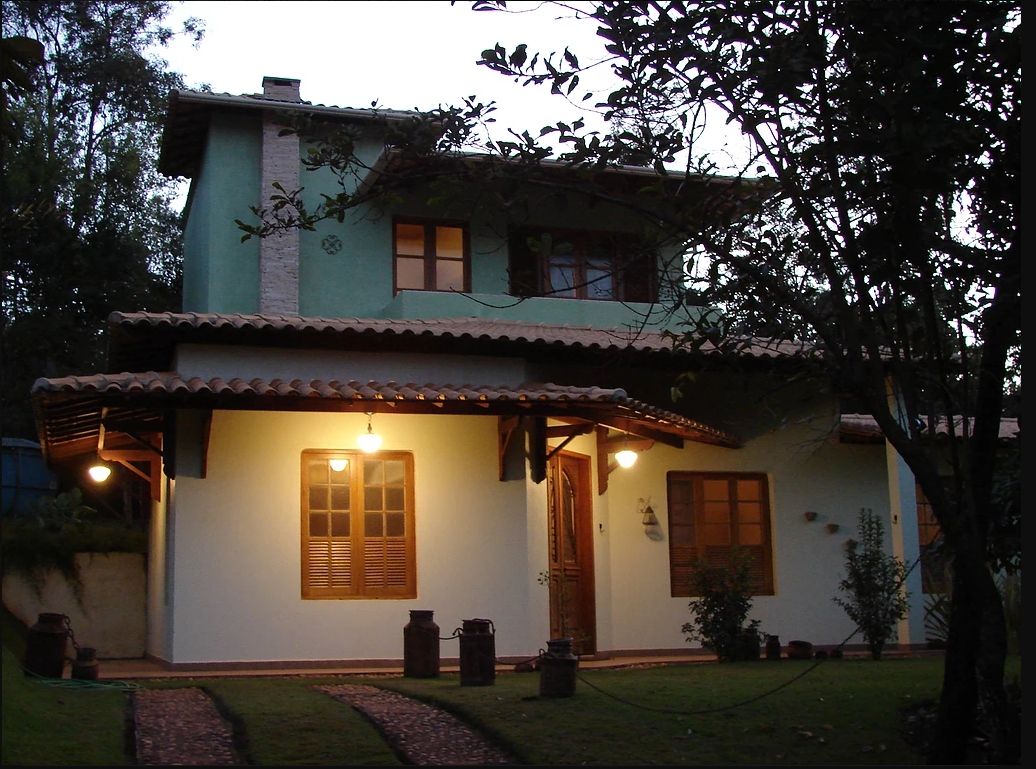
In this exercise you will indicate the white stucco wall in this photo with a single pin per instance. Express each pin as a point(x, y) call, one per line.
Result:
point(237, 590)
point(481, 543)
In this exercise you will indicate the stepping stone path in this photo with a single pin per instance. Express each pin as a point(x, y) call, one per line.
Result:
point(424, 735)
point(182, 727)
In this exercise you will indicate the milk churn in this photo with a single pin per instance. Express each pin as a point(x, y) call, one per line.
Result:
point(85, 665)
point(558, 669)
point(45, 645)
point(477, 652)
point(421, 645)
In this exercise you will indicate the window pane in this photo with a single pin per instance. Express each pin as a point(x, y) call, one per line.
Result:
point(449, 242)
point(600, 283)
point(395, 472)
point(713, 534)
point(373, 472)
point(749, 512)
point(372, 498)
point(682, 535)
point(317, 472)
point(409, 273)
point(449, 275)
point(318, 497)
point(750, 534)
point(339, 497)
point(562, 280)
point(394, 498)
point(410, 239)
point(317, 525)
point(339, 524)
point(395, 525)
point(372, 525)
point(749, 490)
point(715, 490)
point(717, 512)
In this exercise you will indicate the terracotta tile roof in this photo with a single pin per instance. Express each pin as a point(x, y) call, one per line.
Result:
point(137, 327)
point(70, 409)
point(864, 428)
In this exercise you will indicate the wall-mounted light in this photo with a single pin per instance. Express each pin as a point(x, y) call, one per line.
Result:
point(369, 441)
point(99, 473)
point(626, 458)
point(338, 464)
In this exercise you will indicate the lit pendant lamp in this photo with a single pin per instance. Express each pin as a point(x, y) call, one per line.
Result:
point(338, 464)
point(627, 457)
point(369, 441)
point(99, 473)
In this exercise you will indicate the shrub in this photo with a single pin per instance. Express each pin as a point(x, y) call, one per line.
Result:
point(873, 585)
point(719, 613)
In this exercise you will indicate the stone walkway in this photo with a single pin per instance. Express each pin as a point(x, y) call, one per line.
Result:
point(421, 734)
point(183, 727)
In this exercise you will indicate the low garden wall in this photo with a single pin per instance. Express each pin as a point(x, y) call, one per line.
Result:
point(112, 616)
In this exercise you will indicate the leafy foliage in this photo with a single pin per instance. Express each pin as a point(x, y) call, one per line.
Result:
point(86, 218)
point(875, 599)
point(719, 613)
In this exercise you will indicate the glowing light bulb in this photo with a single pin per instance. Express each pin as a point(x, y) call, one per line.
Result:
point(369, 442)
point(626, 458)
point(99, 473)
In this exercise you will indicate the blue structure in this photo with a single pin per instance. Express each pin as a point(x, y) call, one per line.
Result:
point(25, 476)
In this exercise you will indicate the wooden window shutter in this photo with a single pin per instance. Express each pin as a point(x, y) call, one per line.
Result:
point(710, 514)
point(358, 526)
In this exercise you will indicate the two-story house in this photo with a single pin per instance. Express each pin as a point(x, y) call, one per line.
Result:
point(425, 405)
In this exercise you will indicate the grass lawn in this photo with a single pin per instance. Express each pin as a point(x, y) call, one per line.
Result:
point(843, 712)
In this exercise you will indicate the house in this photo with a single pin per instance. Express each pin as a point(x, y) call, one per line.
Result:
point(504, 355)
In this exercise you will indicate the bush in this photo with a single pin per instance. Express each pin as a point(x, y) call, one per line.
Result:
point(719, 613)
point(873, 585)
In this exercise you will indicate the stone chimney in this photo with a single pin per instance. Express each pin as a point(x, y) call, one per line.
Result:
point(284, 88)
point(279, 252)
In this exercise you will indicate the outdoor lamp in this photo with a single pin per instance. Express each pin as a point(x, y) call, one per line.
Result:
point(99, 473)
point(626, 458)
point(369, 441)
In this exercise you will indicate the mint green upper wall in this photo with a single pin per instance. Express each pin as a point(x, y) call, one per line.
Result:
point(221, 274)
point(345, 269)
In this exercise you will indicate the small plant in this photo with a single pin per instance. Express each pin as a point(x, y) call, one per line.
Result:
point(875, 599)
point(719, 613)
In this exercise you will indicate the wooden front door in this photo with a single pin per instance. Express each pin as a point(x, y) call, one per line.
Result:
point(570, 526)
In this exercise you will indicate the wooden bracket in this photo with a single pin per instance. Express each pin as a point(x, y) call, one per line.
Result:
point(129, 458)
point(505, 430)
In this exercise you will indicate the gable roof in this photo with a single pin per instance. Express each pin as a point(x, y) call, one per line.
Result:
point(143, 340)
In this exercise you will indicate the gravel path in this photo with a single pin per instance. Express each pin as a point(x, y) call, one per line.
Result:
point(181, 727)
point(424, 735)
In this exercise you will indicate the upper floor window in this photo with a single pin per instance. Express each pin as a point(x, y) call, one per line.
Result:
point(577, 264)
point(358, 525)
point(431, 256)
point(711, 514)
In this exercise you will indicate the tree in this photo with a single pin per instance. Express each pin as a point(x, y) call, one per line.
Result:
point(873, 584)
point(892, 132)
point(883, 234)
point(87, 223)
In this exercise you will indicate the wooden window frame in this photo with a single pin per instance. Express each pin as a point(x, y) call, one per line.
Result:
point(430, 257)
point(358, 542)
point(682, 557)
point(620, 246)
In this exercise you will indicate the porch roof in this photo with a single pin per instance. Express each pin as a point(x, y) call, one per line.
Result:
point(863, 428)
point(73, 412)
point(144, 340)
